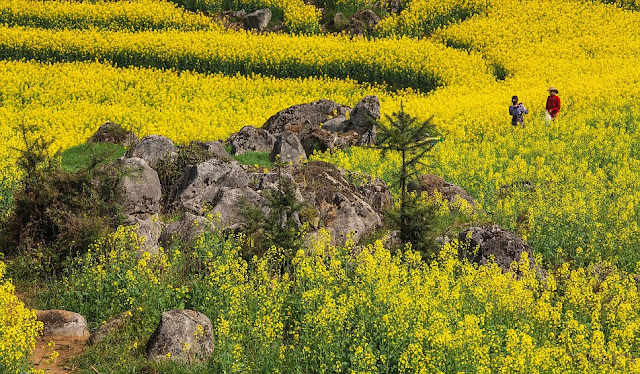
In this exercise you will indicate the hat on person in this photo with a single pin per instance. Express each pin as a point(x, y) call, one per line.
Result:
point(553, 89)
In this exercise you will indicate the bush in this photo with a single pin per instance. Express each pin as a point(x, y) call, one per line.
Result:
point(56, 214)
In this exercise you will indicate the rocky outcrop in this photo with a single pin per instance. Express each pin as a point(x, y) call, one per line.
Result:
point(258, 20)
point(140, 187)
point(181, 335)
point(152, 149)
point(112, 132)
point(310, 114)
point(200, 184)
point(250, 139)
point(289, 148)
point(340, 206)
point(480, 244)
point(63, 324)
point(109, 327)
point(431, 183)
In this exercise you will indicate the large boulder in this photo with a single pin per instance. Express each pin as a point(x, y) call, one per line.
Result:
point(112, 132)
point(200, 183)
point(341, 208)
point(289, 148)
point(181, 335)
point(258, 20)
point(152, 149)
point(480, 244)
point(309, 114)
point(186, 229)
point(250, 139)
point(430, 183)
point(140, 187)
point(63, 324)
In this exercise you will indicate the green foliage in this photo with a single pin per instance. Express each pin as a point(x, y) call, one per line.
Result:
point(259, 159)
point(412, 140)
point(90, 155)
point(56, 214)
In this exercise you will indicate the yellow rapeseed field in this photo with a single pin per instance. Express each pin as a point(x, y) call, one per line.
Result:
point(112, 15)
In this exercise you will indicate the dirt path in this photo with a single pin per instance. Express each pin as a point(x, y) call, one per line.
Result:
point(67, 349)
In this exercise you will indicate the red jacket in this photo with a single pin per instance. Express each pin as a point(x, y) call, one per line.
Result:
point(553, 105)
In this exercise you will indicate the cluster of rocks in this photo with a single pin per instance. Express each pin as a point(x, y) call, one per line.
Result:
point(240, 19)
point(219, 185)
point(362, 22)
point(295, 133)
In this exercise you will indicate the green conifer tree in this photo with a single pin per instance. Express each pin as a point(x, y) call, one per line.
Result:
point(413, 141)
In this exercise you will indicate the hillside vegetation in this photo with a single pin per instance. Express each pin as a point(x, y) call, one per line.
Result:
point(570, 188)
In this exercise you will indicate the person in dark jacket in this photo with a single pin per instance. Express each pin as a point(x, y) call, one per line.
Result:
point(553, 103)
point(517, 112)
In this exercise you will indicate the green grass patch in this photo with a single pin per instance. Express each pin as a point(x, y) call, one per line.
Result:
point(90, 154)
point(259, 159)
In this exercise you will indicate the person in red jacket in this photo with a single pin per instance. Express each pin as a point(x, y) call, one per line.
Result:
point(553, 103)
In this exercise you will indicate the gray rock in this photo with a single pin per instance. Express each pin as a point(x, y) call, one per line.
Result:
point(365, 114)
point(492, 242)
point(215, 149)
point(337, 124)
point(112, 132)
point(289, 148)
point(141, 187)
point(430, 183)
point(228, 205)
point(271, 182)
point(341, 208)
point(148, 228)
point(152, 149)
point(317, 139)
point(109, 327)
point(201, 183)
point(181, 335)
point(305, 115)
point(63, 324)
point(366, 17)
point(376, 193)
point(258, 20)
point(250, 139)
point(187, 229)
